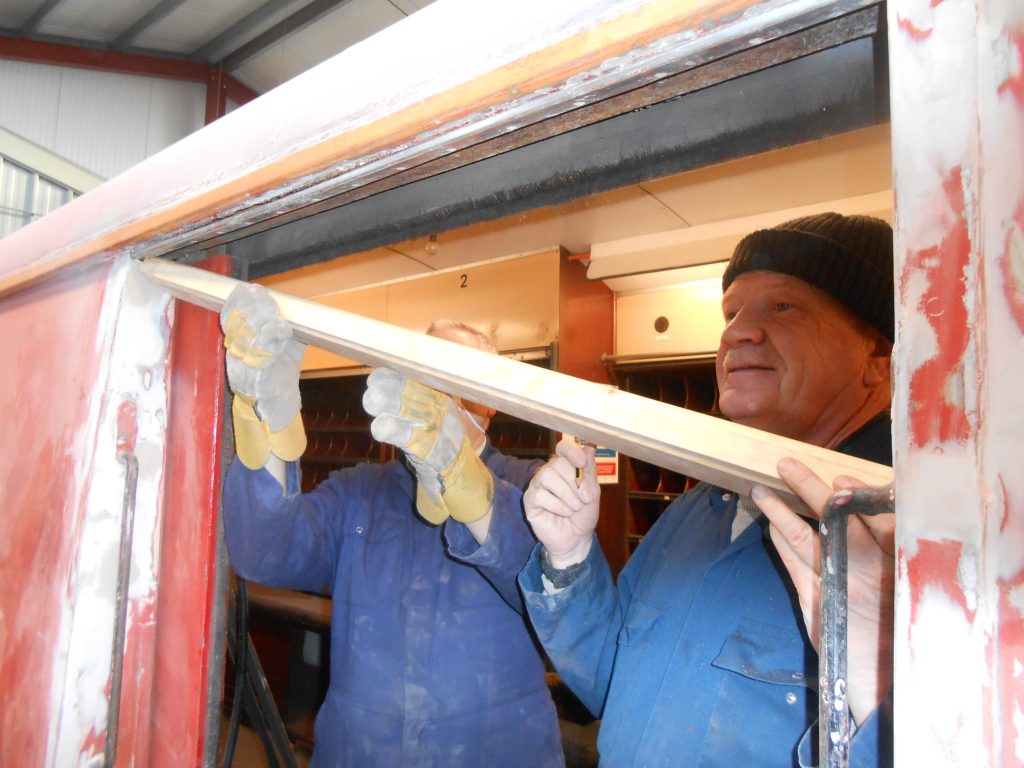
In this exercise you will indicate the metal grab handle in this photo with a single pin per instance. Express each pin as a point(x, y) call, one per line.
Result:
point(124, 570)
point(833, 709)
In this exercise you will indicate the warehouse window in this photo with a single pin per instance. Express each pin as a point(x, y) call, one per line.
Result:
point(26, 195)
point(35, 180)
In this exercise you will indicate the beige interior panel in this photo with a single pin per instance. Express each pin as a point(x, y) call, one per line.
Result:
point(694, 320)
point(369, 302)
point(847, 165)
point(515, 300)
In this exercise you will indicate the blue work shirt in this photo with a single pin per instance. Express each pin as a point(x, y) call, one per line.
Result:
point(432, 662)
point(699, 657)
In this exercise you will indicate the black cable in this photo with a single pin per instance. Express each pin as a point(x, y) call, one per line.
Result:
point(241, 661)
point(272, 729)
point(258, 718)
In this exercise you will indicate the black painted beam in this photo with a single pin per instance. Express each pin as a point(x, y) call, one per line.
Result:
point(832, 91)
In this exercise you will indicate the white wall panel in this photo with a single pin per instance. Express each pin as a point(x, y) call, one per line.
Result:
point(29, 99)
point(690, 314)
point(176, 109)
point(102, 121)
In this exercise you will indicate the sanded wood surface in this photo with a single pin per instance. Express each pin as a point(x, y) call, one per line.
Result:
point(708, 448)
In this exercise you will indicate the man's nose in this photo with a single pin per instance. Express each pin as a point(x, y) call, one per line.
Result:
point(745, 327)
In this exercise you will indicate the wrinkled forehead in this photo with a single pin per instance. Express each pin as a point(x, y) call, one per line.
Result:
point(774, 286)
point(760, 282)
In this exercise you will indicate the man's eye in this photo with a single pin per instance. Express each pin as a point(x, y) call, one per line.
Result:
point(782, 306)
point(729, 316)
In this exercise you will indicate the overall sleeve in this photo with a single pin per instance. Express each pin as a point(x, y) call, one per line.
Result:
point(579, 625)
point(509, 538)
point(282, 540)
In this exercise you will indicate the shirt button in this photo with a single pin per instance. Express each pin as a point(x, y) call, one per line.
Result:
point(359, 529)
point(791, 698)
point(726, 497)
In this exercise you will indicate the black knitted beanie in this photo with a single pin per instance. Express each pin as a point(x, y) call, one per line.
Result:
point(849, 257)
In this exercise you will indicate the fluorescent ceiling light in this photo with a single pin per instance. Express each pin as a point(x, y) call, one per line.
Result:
point(667, 278)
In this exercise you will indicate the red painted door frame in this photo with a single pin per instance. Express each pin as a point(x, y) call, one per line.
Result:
point(164, 705)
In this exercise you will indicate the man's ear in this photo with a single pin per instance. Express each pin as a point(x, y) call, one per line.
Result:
point(878, 370)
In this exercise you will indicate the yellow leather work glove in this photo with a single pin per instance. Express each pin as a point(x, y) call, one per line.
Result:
point(263, 362)
point(425, 424)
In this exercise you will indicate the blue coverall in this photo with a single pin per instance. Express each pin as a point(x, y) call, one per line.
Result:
point(699, 657)
point(432, 661)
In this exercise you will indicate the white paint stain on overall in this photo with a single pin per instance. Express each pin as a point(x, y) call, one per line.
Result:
point(133, 351)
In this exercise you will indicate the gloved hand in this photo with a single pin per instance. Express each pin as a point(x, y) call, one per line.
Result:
point(427, 426)
point(263, 362)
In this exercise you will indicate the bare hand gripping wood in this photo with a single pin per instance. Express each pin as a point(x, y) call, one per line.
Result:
point(708, 448)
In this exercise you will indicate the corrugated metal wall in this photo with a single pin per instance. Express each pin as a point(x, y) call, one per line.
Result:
point(101, 121)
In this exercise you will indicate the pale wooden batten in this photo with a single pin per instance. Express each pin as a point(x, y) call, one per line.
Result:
point(708, 448)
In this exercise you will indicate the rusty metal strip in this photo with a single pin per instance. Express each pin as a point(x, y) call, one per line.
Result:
point(854, 26)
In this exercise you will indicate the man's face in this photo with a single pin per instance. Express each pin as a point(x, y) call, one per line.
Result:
point(792, 359)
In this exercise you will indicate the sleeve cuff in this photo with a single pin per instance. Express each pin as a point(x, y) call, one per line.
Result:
point(509, 539)
point(555, 579)
point(540, 588)
point(463, 546)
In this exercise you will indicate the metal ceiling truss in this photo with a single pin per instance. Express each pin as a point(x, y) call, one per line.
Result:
point(296, 21)
point(160, 11)
point(211, 52)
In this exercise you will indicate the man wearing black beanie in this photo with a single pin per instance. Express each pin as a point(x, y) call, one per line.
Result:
point(702, 653)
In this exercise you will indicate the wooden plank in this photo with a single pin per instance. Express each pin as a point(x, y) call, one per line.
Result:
point(718, 451)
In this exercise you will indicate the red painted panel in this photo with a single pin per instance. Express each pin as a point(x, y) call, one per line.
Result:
point(911, 30)
point(1013, 82)
point(188, 547)
point(1009, 647)
point(935, 566)
point(136, 724)
point(1013, 270)
point(933, 416)
point(50, 361)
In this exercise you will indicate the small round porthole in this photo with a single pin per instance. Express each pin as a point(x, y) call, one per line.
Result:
point(661, 324)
